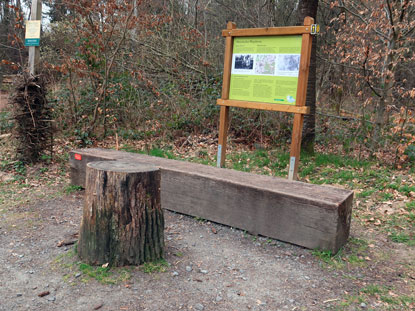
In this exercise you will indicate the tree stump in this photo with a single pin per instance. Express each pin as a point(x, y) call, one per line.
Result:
point(122, 220)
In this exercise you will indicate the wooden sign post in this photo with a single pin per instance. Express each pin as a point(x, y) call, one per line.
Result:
point(267, 68)
point(34, 51)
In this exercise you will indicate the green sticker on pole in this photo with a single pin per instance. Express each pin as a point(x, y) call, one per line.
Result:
point(265, 69)
point(32, 37)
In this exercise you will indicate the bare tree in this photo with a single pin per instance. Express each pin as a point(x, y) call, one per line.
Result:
point(309, 8)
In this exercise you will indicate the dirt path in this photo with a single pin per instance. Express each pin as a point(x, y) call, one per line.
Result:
point(211, 267)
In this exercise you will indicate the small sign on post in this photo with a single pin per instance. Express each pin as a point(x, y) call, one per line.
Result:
point(267, 68)
point(32, 37)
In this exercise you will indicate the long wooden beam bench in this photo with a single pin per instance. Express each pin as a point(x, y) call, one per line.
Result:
point(312, 216)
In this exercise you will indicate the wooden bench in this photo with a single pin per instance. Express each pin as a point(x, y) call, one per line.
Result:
point(312, 216)
point(7, 80)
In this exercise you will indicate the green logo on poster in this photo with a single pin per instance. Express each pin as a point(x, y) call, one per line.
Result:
point(31, 42)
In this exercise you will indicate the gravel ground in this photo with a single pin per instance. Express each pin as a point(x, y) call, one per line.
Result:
point(211, 267)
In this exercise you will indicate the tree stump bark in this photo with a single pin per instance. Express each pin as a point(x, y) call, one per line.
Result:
point(122, 220)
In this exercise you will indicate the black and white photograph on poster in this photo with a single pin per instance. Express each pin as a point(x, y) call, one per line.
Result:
point(288, 65)
point(244, 62)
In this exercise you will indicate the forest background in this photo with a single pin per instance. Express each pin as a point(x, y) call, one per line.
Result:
point(143, 69)
point(144, 76)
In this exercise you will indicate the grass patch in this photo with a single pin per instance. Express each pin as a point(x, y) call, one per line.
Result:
point(339, 161)
point(365, 193)
point(373, 289)
point(131, 149)
point(155, 152)
point(100, 274)
point(386, 196)
point(6, 122)
point(200, 219)
point(402, 238)
point(75, 270)
point(401, 228)
point(69, 189)
point(353, 254)
point(156, 266)
point(410, 206)
point(331, 260)
point(381, 295)
point(265, 162)
point(406, 189)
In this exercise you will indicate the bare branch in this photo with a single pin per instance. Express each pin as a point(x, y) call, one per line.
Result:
point(366, 75)
point(161, 53)
point(390, 15)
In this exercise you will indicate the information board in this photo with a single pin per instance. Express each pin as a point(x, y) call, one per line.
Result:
point(32, 37)
point(265, 69)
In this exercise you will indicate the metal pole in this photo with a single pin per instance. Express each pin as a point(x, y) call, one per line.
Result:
point(34, 51)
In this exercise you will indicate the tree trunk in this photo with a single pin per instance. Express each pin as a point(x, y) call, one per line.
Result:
point(122, 220)
point(309, 8)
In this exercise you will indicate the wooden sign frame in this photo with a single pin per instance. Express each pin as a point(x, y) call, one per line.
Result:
point(299, 109)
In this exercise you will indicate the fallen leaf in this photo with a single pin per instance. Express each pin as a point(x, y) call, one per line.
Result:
point(331, 300)
point(66, 243)
point(43, 294)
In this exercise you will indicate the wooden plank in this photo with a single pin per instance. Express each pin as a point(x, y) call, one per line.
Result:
point(295, 149)
point(306, 44)
point(224, 111)
point(300, 101)
point(270, 31)
point(311, 216)
point(227, 66)
point(263, 106)
point(8, 79)
point(78, 162)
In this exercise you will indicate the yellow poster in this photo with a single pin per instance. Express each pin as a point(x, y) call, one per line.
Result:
point(32, 37)
point(265, 69)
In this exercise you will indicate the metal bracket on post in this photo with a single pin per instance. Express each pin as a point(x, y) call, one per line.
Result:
point(219, 156)
point(315, 29)
point(291, 170)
